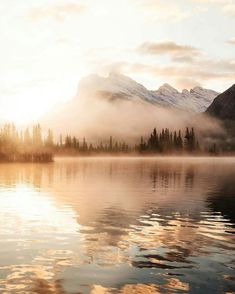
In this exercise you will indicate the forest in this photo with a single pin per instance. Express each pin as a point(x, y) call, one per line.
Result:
point(165, 142)
point(25, 145)
point(34, 145)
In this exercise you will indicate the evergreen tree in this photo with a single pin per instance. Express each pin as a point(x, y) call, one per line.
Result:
point(110, 143)
point(74, 142)
point(84, 145)
point(142, 145)
point(175, 141)
point(49, 139)
point(37, 135)
point(193, 140)
point(61, 141)
point(68, 142)
point(27, 137)
point(179, 142)
point(187, 140)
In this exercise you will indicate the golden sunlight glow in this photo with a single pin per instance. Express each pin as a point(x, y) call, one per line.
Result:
point(30, 104)
point(50, 45)
point(22, 114)
point(30, 205)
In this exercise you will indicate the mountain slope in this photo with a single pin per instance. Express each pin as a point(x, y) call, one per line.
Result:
point(223, 106)
point(195, 100)
point(117, 86)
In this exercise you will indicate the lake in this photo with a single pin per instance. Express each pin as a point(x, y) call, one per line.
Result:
point(118, 225)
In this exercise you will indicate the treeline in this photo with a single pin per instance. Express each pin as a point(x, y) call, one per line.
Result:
point(12, 139)
point(25, 145)
point(165, 142)
point(32, 144)
point(71, 144)
point(170, 142)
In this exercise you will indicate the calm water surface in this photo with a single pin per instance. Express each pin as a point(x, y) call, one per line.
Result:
point(103, 226)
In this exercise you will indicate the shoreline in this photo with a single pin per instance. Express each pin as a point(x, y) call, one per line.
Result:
point(56, 158)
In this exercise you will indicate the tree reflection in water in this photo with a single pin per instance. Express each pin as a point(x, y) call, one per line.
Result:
point(118, 226)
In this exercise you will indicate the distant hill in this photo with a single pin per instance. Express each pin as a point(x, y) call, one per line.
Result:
point(223, 106)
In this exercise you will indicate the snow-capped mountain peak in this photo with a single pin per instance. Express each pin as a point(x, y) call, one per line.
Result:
point(167, 89)
point(117, 86)
point(113, 86)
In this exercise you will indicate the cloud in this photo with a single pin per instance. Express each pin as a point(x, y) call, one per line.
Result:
point(186, 71)
point(167, 47)
point(154, 10)
point(228, 6)
point(178, 53)
point(231, 41)
point(186, 83)
point(184, 75)
point(212, 1)
point(58, 12)
point(229, 9)
point(188, 65)
point(203, 70)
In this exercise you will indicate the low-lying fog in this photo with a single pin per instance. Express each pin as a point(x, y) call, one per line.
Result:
point(95, 118)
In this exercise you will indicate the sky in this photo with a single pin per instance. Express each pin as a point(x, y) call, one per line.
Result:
point(47, 46)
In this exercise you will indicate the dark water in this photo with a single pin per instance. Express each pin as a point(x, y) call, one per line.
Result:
point(105, 226)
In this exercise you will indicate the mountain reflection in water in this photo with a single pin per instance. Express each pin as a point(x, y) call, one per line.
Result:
point(106, 225)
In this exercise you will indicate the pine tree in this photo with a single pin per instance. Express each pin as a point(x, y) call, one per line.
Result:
point(27, 138)
point(61, 141)
point(84, 145)
point(49, 140)
point(74, 142)
point(37, 135)
point(142, 145)
point(175, 141)
point(110, 143)
point(187, 140)
point(68, 141)
point(179, 142)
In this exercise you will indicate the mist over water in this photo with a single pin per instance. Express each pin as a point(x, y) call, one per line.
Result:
point(118, 225)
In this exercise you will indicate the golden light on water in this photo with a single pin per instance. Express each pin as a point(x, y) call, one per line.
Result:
point(33, 207)
point(124, 225)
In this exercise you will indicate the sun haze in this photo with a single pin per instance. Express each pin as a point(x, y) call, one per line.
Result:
point(48, 46)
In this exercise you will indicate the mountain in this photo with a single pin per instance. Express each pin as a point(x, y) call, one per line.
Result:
point(195, 100)
point(117, 86)
point(122, 107)
point(223, 106)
